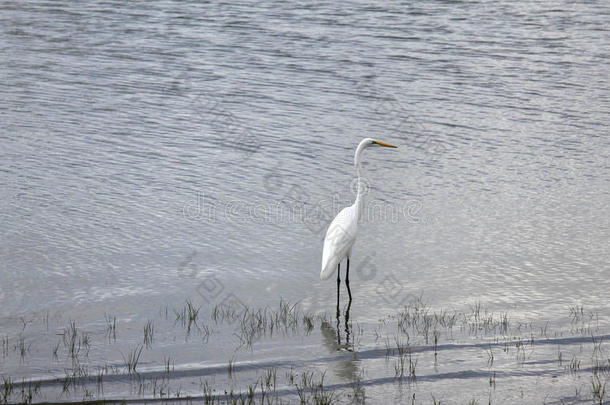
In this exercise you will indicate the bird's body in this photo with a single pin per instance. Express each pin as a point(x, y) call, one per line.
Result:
point(339, 239)
point(341, 234)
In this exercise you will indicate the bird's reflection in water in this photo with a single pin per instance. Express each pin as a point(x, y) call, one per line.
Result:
point(336, 338)
point(347, 328)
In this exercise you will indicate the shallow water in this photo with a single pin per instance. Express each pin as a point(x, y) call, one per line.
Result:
point(158, 152)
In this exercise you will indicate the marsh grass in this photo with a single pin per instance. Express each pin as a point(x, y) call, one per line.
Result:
point(110, 327)
point(308, 321)
point(169, 365)
point(492, 379)
point(490, 356)
point(4, 346)
point(253, 324)
point(74, 341)
point(6, 389)
point(597, 346)
point(598, 388)
point(55, 351)
point(21, 347)
point(574, 365)
point(67, 382)
point(600, 371)
point(132, 359)
point(581, 321)
point(149, 331)
point(230, 367)
point(99, 383)
point(417, 318)
point(358, 395)
point(577, 313)
point(309, 389)
point(479, 321)
point(414, 329)
point(28, 391)
point(187, 316)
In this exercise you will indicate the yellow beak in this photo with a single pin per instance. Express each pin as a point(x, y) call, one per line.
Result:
point(387, 145)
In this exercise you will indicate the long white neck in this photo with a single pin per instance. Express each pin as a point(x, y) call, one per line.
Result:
point(360, 195)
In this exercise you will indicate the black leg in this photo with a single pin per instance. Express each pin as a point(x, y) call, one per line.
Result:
point(338, 289)
point(347, 282)
point(347, 324)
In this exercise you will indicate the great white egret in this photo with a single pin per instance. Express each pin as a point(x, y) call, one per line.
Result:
point(341, 233)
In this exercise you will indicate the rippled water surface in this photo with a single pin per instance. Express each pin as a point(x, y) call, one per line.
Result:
point(158, 152)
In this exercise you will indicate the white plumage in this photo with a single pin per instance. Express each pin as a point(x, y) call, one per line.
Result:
point(339, 239)
point(342, 231)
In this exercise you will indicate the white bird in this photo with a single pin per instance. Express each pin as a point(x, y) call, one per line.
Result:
point(341, 233)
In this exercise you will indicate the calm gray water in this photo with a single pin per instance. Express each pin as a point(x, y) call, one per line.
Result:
point(154, 151)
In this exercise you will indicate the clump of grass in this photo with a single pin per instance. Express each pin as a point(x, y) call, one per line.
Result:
point(4, 345)
point(74, 341)
point(169, 366)
point(577, 313)
point(45, 319)
point(206, 331)
point(110, 327)
point(520, 352)
point(192, 312)
point(597, 345)
point(290, 376)
point(209, 395)
point(308, 321)
point(161, 388)
point(21, 346)
point(402, 347)
point(28, 391)
point(270, 379)
point(88, 395)
point(574, 365)
point(230, 368)
point(485, 322)
point(74, 375)
point(399, 367)
point(401, 371)
point(187, 315)
point(149, 331)
point(6, 389)
point(132, 359)
point(581, 321)
point(255, 323)
point(490, 356)
point(310, 390)
point(69, 380)
point(99, 382)
point(598, 388)
point(416, 317)
point(602, 367)
point(492, 380)
point(358, 394)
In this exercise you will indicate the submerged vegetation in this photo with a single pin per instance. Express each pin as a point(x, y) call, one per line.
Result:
point(417, 345)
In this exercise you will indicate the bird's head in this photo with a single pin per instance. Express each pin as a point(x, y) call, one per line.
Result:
point(375, 142)
point(368, 142)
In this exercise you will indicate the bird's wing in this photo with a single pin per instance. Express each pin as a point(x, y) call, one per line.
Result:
point(339, 239)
